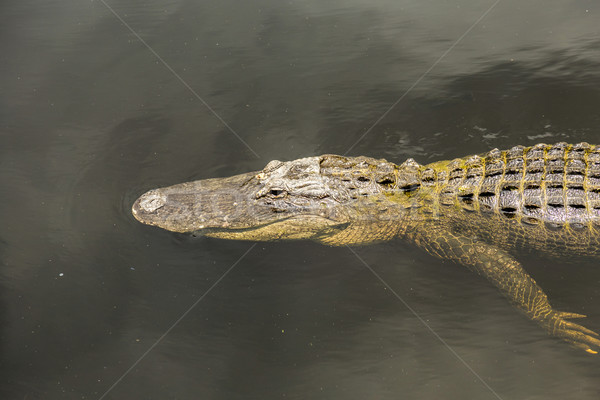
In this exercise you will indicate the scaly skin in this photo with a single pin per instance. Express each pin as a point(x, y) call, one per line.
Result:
point(475, 211)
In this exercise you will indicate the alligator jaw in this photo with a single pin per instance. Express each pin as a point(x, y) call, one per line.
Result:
point(232, 208)
point(311, 227)
point(192, 206)
point(331, 199)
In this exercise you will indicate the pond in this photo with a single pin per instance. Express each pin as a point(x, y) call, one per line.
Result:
point(103, 100)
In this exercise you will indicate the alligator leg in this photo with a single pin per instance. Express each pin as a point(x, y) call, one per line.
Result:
point(518, 286)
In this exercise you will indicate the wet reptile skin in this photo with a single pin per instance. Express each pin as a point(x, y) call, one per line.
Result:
point(477, 211)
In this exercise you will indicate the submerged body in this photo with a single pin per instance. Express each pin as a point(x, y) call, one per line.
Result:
point(475, 211)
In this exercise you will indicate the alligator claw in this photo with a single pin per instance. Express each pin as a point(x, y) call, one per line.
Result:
point(577, 335)
point(570, 315)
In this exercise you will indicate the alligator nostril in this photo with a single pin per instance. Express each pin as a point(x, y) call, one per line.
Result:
point(152, 201)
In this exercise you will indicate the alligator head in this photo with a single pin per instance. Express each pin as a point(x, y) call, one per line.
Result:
point(315, 198)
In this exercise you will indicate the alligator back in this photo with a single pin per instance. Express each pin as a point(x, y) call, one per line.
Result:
point(542, 197)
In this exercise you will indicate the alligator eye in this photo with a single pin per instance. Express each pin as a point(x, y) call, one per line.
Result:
point(276, 192)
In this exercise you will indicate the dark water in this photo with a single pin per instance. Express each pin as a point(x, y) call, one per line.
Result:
point(90, 118)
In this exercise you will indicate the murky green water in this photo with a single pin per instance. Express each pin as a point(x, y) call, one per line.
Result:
point(90, 117)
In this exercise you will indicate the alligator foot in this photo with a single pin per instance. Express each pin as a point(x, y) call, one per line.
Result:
point(575, 334)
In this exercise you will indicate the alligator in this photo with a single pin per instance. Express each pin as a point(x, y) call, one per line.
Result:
point(477, 211)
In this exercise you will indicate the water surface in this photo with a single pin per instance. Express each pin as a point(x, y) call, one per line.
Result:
point(90, 118)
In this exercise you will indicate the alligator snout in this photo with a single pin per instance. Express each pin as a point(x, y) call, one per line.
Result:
point(193, 206)
point(173, 209)
point(149, 202)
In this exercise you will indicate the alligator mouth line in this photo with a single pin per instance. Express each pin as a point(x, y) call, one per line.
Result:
point(330, 224)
